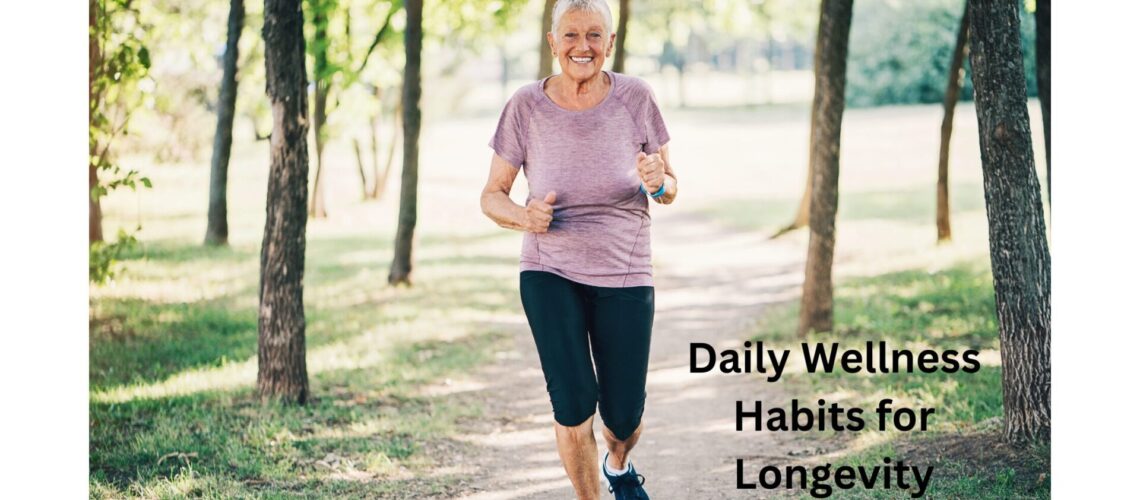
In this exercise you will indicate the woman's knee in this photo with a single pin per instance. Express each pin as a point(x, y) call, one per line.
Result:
point(582, 431)
point(574, 413)
point(623, 420)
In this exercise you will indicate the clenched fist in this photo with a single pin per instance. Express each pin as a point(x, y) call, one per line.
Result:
point(651, 169)
point(539, 213)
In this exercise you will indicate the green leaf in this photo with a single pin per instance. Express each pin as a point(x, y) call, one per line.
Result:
point(144, 57)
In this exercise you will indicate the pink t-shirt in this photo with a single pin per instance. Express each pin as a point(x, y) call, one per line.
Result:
point(600, 232)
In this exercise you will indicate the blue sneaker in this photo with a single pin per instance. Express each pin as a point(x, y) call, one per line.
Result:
point(626, 486)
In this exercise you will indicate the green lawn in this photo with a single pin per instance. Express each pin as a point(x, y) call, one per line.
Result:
point(948, 309)
point(173, 363)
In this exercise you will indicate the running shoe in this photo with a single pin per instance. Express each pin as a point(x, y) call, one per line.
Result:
point(626, 486)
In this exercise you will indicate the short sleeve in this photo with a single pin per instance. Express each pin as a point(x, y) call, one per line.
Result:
point(656, 133)
point(509, 141)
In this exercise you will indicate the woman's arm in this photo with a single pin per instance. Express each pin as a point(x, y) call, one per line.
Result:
point(497, 205)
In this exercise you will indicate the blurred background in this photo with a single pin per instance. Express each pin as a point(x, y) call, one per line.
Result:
point(401, 392)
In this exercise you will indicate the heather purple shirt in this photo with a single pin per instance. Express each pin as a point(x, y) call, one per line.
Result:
point(600, 232)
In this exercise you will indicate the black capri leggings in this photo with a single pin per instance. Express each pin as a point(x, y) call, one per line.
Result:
point(570, 320)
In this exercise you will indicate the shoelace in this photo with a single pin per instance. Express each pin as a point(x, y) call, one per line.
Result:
point(625, 481)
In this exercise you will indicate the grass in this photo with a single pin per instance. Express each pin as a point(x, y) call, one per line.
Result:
point(173, 412)
point(948, 309)
point(914, 206)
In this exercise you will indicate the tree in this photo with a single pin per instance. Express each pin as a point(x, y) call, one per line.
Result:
point(117, 61)
point(545, 58)
point(622, 29)
point(217, 225)
point(322, 80)
point(281, 371)
point(803, 211)
point(94, 56)
point(953, 88)
point(1019, 251)
point(826, 121)
point(380, 178)
point(1041, 17)
point(401, 269)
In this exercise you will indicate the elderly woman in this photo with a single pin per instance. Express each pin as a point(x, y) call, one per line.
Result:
point(593, 146)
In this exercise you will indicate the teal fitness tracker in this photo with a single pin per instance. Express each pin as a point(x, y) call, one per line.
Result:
point(658, 194)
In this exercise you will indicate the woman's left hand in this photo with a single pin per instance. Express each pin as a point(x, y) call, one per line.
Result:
point(651, 169)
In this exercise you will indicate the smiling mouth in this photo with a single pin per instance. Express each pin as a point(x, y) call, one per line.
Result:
point(582, 60)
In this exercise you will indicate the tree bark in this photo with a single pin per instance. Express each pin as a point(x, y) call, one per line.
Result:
point(320, 101)
point(401, 269)
point(1019, 252)
point(94, 59)
point(281, 371)
point(217, 224)
point(1041, 17)
point(830, 84)
point(949, 102)
point(95, 211)
point(545, 57)
point(622, 29)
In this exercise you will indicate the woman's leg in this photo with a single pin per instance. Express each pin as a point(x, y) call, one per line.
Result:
point(620, 448)
point(621, 325)
point(556, 310)
point(579, 453)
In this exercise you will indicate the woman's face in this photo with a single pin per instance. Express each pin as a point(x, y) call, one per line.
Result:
point(581, 44)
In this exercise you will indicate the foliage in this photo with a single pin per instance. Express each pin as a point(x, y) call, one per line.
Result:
point(119, 62)
point(103, 256)
point(900, 51)
point(703, 30)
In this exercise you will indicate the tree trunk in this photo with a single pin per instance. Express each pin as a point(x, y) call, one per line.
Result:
point(622, 28)
point(1019, 252)
point(1041, 16)
point(949, 102)
point(281, 371)
point(360, 167)
point(374, 147)
point(217, 225)
point(95, 211)
point(381, 181)
point(401, 269)
point(830, 83)
point(803, 212)
point(545, 57)
point(320, 102)
point(374, 142)
point(94, 56)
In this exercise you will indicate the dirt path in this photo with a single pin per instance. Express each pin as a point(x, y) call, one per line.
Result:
point(711, 287)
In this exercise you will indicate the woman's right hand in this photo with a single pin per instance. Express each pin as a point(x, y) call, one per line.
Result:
point(539, 213)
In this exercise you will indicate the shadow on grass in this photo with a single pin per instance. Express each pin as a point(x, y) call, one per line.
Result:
point(142, 337)
point(359, 436)
point(914, 206)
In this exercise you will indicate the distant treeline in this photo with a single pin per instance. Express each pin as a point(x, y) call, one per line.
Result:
point(900, 52)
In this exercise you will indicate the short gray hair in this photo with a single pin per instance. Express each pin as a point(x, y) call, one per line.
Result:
point(597, 6)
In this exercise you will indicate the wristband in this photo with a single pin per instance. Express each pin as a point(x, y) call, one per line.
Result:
point(658, 194)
